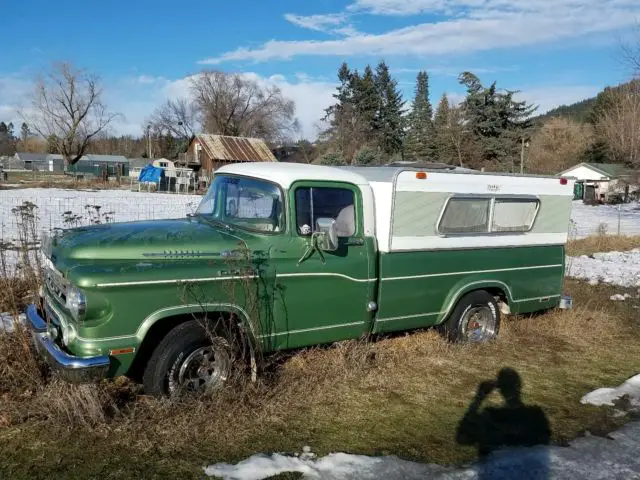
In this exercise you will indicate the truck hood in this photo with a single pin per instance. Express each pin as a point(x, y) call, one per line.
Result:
point(145, 240)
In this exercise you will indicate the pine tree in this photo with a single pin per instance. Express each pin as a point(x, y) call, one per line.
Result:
point(25, 132)
point(367, 103)
point(441, 131)
point(7, 139)
point(497, 122)
point(389, 122)
point(420, 143)
point(344, 129)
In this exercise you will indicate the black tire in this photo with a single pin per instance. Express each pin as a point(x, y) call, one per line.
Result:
point(187, 343)
point(457, 326)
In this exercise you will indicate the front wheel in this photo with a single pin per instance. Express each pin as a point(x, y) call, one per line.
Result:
point(476, 319)
point(188, 360)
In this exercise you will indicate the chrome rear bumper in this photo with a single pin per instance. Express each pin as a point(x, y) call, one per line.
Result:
point(71, 368)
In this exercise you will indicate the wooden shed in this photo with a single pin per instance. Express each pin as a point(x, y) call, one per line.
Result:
point(207, 152)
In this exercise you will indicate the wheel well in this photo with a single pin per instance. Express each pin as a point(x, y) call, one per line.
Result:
point(497, 292)
point(156, 333)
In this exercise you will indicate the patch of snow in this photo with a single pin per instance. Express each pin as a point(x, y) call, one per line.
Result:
point(591, 457)
point(587, 220)
point(618, 297)
point(615, 268)
point(608, 396)
point(8, 321)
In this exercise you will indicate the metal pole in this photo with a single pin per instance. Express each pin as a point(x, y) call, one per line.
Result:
point(522, 157)
point(619, 213)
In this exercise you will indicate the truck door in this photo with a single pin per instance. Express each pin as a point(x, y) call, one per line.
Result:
point(322, 296)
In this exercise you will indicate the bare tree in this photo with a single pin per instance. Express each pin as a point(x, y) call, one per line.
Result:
point(233, 104)
point(67, 109)
point(619, 124)
point(178, 117)
point(559, 144)
point(631, 53)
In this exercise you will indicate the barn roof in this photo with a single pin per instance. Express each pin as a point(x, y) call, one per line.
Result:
point(235, 149)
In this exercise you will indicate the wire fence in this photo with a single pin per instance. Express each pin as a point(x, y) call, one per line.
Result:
point(59, 209)
point(588, 220)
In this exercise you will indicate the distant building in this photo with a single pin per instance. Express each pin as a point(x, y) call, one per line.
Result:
point(41, 162)
point(99, 165)
point(602, 182)
point(207, 152)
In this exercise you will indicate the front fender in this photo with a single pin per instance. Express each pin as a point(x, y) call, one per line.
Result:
point(195, 309)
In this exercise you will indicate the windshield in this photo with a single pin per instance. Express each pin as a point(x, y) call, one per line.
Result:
point(244, 202)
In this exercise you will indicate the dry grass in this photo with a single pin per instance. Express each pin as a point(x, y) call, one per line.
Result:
point(400, 395)
point(602, 243)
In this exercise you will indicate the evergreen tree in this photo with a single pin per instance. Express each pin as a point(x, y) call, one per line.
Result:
point(344, 128)
point(420, 143)
point(367, 102)
point(389, 122)
point(7, 139)
point(25, 132)
point(497, 122)
point(441, 131)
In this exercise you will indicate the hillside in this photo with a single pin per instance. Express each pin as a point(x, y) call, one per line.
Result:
point(578, 111)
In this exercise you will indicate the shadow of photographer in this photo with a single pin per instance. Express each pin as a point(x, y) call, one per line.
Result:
point(513, 424)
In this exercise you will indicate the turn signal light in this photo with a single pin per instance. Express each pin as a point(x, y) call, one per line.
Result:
point(421, 175)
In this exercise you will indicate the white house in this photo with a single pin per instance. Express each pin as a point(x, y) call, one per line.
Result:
point(600, 182)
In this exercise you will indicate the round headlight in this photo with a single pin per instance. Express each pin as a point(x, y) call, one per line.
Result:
point(76, 302)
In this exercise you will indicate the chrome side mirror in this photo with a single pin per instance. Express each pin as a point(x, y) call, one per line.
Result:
point(327, 234)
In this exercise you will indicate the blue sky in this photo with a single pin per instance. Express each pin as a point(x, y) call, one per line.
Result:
point(554, 51)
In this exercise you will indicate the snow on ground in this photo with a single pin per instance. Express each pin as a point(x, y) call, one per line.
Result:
point(7, 321)
point(615, 268)
point(590, 220)
point(615, 457)
point(608, 396)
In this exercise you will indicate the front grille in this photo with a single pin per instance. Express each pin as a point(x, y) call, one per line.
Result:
point(56, 285)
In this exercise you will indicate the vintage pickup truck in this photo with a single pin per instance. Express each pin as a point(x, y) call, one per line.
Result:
point(289, 255)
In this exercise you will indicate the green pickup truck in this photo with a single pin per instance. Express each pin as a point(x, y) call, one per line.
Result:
point(281, 256)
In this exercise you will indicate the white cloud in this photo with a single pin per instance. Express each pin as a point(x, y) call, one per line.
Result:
point(471, 26)
point(333, 23)
point(317, 22)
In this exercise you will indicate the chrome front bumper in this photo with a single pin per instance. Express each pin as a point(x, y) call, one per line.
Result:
point(70, 368)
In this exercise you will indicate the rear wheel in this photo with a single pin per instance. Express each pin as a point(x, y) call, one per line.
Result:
point(188, 360)
point(476, 319)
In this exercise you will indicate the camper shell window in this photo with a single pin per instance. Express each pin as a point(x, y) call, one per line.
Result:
point(484, 215)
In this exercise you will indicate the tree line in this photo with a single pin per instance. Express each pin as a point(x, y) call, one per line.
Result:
point(370, 123)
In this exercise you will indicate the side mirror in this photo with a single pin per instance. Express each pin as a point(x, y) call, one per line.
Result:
point(328, 234)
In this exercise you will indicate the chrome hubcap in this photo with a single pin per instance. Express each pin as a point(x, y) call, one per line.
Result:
point(479, 324)
point(205, 369)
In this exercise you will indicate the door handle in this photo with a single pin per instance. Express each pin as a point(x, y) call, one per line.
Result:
point(354, 242)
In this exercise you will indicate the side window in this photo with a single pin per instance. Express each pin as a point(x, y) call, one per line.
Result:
point(465, 216)
point(514, 215)
point(319, 202)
